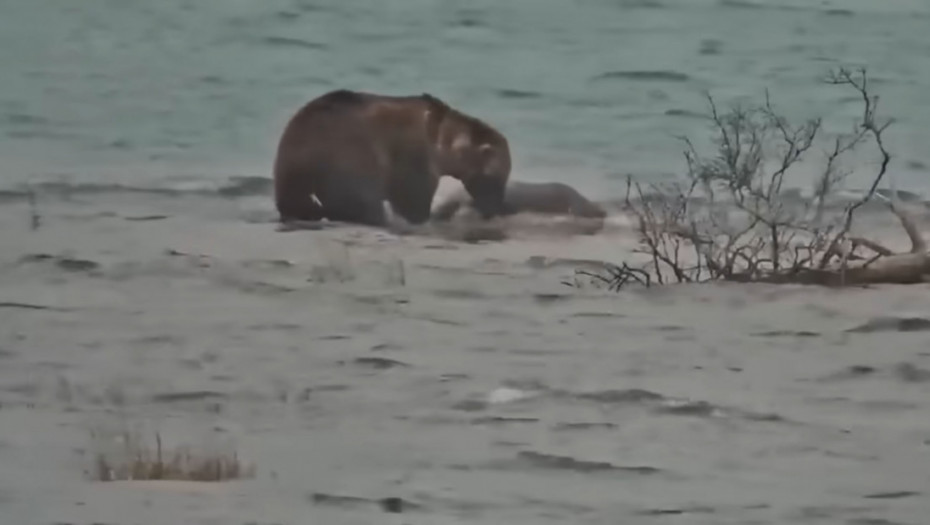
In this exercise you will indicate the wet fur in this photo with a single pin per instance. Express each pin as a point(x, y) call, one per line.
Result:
point(346, 152)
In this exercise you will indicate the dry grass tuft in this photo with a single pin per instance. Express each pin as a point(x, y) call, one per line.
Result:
point(136, 460)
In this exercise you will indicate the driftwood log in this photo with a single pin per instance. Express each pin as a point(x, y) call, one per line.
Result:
point(884, 267)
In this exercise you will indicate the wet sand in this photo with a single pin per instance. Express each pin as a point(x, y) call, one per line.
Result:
point(352, 366)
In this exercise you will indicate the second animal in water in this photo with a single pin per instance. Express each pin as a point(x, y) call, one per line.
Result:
point(549, 198)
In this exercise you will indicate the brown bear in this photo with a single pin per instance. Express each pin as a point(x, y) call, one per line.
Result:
point(551, 198)
point(346, 152)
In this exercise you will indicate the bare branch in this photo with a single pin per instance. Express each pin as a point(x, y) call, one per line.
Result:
point(732, 211)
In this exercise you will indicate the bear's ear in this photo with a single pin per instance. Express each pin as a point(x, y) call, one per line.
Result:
point(494, 159)
point(486, 151)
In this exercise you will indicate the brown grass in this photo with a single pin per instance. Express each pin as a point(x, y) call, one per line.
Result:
point(137, 460)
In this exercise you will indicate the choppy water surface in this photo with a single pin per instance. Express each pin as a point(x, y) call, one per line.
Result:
point(156, 92)
point(462, 382)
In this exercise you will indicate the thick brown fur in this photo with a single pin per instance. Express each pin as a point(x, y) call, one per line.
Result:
point(346, 152)
point(550, 198)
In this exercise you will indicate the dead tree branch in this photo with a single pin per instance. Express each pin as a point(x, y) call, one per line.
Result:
point(734, 216)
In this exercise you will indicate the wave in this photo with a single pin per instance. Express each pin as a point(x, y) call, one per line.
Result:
point(792, 197)
point(239, 186)
point(283, 41)
point(644, 75)
point(247, 186)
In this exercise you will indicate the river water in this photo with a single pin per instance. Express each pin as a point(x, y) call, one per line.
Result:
point(183, 93)
point(352, 366)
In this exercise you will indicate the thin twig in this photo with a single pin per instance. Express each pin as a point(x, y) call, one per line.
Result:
point(778, 239)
